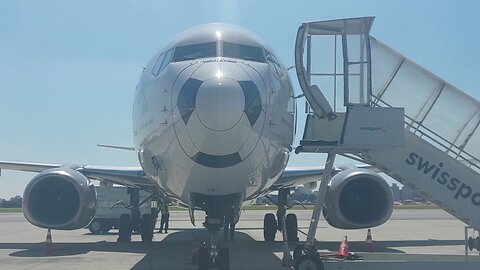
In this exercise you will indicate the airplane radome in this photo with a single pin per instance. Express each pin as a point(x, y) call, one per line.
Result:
point(213, 124)
point(218, 109)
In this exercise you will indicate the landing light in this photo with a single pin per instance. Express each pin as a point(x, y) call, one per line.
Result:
point(219, 74)
point(219, 34)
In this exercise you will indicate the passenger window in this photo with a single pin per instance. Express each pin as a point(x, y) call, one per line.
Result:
point(245, 52)
point(195, 51)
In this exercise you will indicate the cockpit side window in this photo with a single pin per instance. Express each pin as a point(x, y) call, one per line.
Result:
point(194, 51)
point(273, 63)
point(158, 64)
point(162, 61)
point(245, 52)
point(167, 59)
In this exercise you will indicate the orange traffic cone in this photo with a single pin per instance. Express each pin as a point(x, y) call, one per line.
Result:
point(369, 242)
point(343, 249)
point(195, 248)
point(48, 247)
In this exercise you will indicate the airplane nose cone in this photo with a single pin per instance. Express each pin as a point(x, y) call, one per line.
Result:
point(220, 104)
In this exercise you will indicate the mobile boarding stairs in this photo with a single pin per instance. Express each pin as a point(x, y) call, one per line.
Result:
point(370, 103)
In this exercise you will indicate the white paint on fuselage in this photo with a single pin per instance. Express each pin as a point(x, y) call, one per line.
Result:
point(169, 146)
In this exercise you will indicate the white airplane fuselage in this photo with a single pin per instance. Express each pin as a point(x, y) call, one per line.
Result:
point(214, 114)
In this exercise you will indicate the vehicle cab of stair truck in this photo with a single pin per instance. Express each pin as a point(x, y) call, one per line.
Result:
point(333, 65)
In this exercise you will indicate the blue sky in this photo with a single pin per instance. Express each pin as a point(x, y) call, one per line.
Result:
point(68, 69)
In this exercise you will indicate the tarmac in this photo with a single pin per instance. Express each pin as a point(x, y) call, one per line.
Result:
point(411, 239)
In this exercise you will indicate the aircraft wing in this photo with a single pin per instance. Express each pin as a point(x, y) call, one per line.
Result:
point(135, 176)
point(27, 166)
point(127, 176)
point(295, 176)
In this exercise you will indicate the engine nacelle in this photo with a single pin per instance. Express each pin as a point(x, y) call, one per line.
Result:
point(358, 198)
point(61, 199)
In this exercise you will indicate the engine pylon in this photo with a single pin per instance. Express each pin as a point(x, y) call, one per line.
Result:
point(343, 249)
point(369, 242)
point(48, 247)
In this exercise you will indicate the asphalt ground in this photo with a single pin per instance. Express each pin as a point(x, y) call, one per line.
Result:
point(430, 236)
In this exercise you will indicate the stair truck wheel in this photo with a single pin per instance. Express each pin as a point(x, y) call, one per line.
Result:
point(308, 262)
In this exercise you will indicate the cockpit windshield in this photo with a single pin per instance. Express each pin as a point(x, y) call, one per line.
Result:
point(194, 51)
point(245, 52)
point(209, 49)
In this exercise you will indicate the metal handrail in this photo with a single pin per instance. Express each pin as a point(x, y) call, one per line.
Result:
point(436, 138)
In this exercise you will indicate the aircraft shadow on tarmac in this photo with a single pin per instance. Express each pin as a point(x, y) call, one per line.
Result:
point(175, 250)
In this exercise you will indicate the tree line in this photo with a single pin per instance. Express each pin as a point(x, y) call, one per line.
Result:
point(14, 202)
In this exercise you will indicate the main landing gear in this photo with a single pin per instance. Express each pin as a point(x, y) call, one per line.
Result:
point(133, 222)
point(271, 225)
point(305, 256)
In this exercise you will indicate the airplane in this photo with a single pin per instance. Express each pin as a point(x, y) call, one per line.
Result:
point(214, 118)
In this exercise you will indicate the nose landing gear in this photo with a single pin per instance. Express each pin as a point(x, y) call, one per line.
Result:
point(211, 255)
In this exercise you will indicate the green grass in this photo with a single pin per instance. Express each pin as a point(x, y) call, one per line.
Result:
point(273, 207)
point(401, 207)
point(10, 210)
point(310, 207)
point(258, 207)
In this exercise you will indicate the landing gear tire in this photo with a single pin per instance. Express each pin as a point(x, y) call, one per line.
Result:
point(223, 261)
point(203, 259)
point(124, 229)
point(269, 227)
point(95, 226)
point(292, 227)
point(146, 227)
point(308, 262)
point(107, 225)
point(474, 243)
point(298, 251)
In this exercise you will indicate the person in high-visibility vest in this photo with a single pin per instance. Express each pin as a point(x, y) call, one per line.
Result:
point(165, 216)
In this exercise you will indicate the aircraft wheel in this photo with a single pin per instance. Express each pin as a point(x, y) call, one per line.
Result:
point(124, 228)
point(308, 262)
point(292, 227)
point(107, 225)
point(146, 227)
point(269, 227)
point(95, 226)
point(474, 243)
point(203, 259)
point(223, 261)
point(298, 251)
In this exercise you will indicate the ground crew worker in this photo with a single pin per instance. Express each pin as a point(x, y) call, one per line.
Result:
point(165, 216)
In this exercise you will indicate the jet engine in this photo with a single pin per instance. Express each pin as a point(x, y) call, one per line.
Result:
point(358, 198)
point(61, 199)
